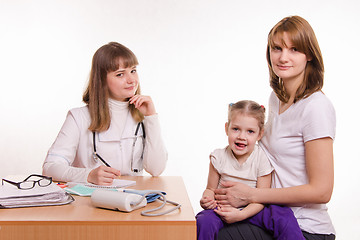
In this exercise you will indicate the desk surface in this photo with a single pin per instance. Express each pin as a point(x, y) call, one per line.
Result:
point(57, 221)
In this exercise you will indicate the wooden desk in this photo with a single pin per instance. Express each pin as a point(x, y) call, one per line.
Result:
point(80, 220)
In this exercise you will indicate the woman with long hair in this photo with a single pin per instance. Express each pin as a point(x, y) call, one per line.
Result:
point(116, 133)
point(298, 138)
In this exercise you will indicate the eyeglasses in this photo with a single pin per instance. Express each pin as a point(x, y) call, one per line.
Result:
point(29, 184)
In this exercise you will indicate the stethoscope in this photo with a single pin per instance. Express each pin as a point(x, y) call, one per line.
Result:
point(133, 169)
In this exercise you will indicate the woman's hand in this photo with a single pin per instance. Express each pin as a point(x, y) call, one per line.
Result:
point(234, 194)
point(103, 175)
point(144, 104)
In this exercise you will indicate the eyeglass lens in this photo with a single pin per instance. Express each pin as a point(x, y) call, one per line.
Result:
point(30, 184)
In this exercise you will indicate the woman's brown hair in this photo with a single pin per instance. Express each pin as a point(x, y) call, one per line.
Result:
point(106, 59)
point(304, 39)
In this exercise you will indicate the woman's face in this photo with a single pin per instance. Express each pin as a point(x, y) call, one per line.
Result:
point(122, 83)
point(286, 61)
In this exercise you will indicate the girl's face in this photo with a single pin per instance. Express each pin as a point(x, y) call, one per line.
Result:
point(286, 61)
point(243, 131)
point(122, 83)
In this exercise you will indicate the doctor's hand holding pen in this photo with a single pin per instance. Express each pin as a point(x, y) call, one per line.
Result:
point(103, 175)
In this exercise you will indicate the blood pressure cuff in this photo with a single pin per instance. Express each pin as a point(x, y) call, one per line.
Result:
point(150, 197)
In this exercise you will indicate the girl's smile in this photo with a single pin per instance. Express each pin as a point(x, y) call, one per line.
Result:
point(240, 146)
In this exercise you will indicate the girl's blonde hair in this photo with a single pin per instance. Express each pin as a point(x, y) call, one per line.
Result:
point(249, 108)
point(106, 59)
point(304, 40)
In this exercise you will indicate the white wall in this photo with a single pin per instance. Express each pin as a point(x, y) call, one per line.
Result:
point(196, 56)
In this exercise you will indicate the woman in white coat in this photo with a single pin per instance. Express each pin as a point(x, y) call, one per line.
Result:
point(116, 133)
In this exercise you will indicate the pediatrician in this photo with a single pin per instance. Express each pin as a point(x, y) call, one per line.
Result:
point(116, 133)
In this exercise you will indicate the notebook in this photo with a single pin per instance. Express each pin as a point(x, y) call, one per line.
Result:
point(86, 189)
point(117, 183)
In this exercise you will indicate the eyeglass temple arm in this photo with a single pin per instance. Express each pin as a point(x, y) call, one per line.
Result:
point(36, 175)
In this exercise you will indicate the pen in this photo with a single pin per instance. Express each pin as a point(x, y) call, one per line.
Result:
point(97, 156)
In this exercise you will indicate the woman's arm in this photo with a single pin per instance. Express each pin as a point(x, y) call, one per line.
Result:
point(320, 171)
point(155, 154)
point(62, 153)
point(59, 160)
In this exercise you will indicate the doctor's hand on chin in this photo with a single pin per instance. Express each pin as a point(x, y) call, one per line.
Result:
point(103, 175)
point(144, 104)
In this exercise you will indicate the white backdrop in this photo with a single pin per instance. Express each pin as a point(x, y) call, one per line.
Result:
point(196, 56)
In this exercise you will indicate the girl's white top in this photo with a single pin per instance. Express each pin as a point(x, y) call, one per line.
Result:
point(70, 158)
point(284, 143)
point(229, 168)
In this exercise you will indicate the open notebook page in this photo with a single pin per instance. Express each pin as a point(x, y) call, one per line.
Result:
point(117, 183)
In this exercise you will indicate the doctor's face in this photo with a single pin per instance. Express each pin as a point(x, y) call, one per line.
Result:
point(122, 83)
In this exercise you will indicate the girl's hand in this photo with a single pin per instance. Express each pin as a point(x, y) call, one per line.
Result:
point(230, 214)
point(207, 203)
point(103, 175)
point(234, 194)
point(144, 104)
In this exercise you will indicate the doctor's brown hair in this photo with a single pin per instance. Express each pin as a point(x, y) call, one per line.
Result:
point(106, 59)
point(304, 40)
point(249, 108)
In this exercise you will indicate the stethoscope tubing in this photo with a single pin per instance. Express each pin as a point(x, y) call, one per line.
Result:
point(97, 156)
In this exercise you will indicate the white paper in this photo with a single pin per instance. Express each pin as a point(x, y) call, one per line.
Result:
point(11, 196)
point(8, 190)
point(117, 183)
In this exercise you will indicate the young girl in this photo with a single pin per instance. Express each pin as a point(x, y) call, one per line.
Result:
point(298, 137)
point(116, 133)
point(242, 161)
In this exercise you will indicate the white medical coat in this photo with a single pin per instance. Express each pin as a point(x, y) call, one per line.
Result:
point(70, 158)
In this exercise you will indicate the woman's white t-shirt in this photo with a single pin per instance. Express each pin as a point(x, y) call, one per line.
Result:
point(284, 143)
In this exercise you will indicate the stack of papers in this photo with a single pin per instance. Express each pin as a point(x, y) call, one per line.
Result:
point(12, 197)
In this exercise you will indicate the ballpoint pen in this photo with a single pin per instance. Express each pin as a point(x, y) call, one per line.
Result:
point(97, 156)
